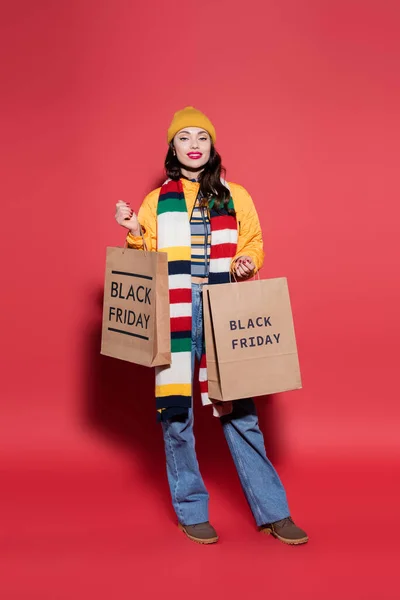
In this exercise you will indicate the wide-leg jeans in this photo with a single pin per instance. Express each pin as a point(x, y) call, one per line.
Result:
point(261, 484)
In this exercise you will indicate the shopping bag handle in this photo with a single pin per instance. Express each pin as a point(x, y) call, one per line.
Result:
point(145, 249)
point(143, 240)
point(256, 276)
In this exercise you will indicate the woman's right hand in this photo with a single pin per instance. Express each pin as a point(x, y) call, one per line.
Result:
point(125, 216)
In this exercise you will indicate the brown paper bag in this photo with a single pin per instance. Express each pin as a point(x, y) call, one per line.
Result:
point(250, 340)
point(136, 325)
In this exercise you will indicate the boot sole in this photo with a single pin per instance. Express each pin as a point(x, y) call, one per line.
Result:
point(303, 540)
point(212, 540)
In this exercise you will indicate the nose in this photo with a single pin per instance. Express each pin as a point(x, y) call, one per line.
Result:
point(194, 144)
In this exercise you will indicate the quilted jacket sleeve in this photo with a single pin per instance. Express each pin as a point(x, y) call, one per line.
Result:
point(148, 220)
point(250, 241)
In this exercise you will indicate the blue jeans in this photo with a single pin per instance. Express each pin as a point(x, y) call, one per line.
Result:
point(260, 482)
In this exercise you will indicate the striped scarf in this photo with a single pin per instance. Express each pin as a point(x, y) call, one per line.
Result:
point(174, 382)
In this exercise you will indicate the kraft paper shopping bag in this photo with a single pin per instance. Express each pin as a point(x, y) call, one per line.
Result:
point(136, 324)
point(250, 339)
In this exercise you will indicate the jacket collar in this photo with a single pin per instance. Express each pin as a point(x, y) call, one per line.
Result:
point(189, 185)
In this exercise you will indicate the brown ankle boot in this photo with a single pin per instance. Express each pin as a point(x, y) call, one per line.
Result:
point(202, 533)
point(286, 531)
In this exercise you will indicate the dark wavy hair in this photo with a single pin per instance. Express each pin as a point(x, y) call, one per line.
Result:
point(211, 186)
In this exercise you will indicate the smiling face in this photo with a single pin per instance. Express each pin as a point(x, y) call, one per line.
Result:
point(193, 147)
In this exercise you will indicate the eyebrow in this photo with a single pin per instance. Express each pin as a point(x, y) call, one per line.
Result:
point(199, 133)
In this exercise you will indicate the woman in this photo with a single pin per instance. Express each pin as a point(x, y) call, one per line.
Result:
point(208, 228)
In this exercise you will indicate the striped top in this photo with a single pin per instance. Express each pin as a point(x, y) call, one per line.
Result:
point(200, 230)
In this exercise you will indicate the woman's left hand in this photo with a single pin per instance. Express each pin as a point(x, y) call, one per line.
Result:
point(244, 267)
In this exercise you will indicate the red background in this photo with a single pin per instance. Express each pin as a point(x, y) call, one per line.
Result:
point(305, 98)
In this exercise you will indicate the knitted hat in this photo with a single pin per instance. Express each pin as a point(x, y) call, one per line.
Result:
point(190, 117)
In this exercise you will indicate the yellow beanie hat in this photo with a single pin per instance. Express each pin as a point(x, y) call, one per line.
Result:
point(190, 117)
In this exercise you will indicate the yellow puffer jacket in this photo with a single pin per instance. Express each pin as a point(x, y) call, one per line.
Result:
point(250, 241)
